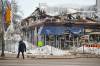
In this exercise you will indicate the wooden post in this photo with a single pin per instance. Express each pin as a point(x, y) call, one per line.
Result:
point(35, 36)
point(45, 39)
point(73, 42)
point(83, 48)
point(77, 42)
point(56, 40)
point(59, 42)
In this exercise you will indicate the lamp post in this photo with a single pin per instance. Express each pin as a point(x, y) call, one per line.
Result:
point(2, 27)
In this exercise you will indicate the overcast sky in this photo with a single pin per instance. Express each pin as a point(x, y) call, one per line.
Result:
point(28, 6)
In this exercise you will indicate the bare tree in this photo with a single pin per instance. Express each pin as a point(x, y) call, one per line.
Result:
point(15, 11)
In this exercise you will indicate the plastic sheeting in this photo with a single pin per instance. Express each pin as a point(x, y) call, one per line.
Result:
point(51, 30)
point(75, 31)
point(60, 30)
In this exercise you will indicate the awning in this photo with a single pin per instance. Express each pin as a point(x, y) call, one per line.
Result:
point(53, 30)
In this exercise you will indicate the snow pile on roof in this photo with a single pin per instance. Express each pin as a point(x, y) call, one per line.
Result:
point(71, 11)
point(52, 13)
point(55, 11)
point(91, 50)
point(48, 50)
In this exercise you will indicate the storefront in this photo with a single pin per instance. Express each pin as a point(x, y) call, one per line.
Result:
point(60, 36)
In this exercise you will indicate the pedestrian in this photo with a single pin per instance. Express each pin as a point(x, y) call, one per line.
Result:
point(21, 48)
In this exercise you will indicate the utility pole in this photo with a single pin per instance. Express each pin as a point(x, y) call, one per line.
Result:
point(3, 42)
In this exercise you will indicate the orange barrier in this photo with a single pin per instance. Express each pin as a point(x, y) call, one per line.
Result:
point(93, 45)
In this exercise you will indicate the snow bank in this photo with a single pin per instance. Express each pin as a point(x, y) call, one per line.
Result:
point(48, 50)
point(92, 50)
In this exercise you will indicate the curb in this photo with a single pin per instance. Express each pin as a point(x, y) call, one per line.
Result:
point(62, 57)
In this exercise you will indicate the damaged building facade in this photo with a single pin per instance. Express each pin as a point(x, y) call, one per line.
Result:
point(60, 27)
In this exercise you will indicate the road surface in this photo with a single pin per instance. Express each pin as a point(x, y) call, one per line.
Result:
point(50, 62)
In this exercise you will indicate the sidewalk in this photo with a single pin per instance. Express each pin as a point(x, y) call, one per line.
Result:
point(30, 56)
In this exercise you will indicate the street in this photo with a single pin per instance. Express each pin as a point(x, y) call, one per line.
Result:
point(50, 62)
point(49, 32)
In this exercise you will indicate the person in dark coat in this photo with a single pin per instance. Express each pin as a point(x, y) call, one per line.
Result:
point(21, 48)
